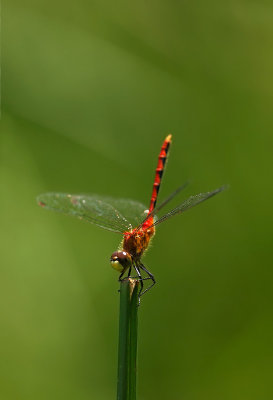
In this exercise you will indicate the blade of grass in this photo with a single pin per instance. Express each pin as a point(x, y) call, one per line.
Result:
point(133, 342)
point(127, 350)
point(123, 346)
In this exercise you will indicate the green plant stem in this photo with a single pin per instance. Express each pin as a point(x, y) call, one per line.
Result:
point(124, 321)
point(133, 343)
point(127, 351)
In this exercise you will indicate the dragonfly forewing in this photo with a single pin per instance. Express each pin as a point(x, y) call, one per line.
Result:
point(117, 215)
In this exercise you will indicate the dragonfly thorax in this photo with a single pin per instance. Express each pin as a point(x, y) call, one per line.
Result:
point(137, 241)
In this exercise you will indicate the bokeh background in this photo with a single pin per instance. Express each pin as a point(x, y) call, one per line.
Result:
point(89, 91)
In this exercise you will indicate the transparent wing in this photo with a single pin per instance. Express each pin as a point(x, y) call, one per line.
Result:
point(161, 205)
point(117, 215)
point(133, 211)
point(189, 203)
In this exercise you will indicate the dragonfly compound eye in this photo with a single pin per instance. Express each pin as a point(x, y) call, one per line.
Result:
point(120, 260)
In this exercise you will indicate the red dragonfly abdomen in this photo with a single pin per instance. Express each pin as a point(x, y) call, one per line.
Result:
point(159, 171)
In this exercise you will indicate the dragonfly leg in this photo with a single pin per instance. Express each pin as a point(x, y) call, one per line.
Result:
point(121, 275)
point(120, 279)
point(141, 282)
point(141, 293)
point(137, 277)
point(129, 272)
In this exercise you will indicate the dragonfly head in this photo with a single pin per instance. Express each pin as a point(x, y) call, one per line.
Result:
point(120, 260)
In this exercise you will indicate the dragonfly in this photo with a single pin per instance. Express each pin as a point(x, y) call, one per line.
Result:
point(130, 218)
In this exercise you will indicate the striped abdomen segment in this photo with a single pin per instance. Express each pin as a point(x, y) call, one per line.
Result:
point(159, 171)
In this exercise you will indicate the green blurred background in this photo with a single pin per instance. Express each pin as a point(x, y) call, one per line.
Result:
point(89, 91)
